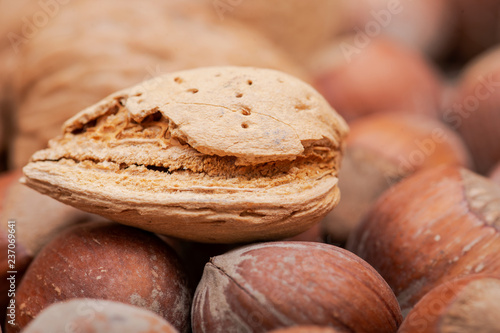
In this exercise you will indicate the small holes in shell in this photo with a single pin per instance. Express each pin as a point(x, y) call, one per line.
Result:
point(193, 90)
point(244, 125)
point(178, 80)
point(239, 95)
point(245, 110)
point(249, 82)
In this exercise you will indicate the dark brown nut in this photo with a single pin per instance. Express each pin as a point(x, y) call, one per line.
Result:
point(106, 261)
point(382, 77)
point(478, 26)
point(380, 151)
point(97, 316)
point(275, 285)
point(474, 112)
point(464, 305)
point(434, 226)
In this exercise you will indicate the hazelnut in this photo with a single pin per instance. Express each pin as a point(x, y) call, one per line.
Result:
point(380, 151)
point(469, 304)
point(275, 285)
point(381, 77)
point(478, 26)
point(97, 316)
point(474, 113)
point(106, 261)
point(436, 225)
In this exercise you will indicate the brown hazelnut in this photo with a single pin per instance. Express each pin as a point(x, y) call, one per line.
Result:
point(469, 304)
point(275, 285)
point(97, 316)
point(106, 261)
point(474, 113)
point(434, 226)
point(381, 150)
point(478, 26)
point(383, 76)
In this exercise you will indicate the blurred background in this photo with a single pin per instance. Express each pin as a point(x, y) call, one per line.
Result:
point(418, 81)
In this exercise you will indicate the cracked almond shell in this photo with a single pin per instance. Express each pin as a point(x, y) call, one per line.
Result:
point(218, 154)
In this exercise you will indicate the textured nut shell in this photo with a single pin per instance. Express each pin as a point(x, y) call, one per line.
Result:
point(449, 228)
point(274, 285)
point(464, 305)
point(381, 150)
point(98, 316)
point(250, 154)
point(90, 50)
point(106, 261)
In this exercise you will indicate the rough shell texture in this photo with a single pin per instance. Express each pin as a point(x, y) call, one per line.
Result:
point(218, 154)
point(449, 228)
point(381, 77)
point(475, 111)
point(464, 305)
point(106, 261)
point(381, 150)
point(90, 50)
point(276, 285)
point(97, 316)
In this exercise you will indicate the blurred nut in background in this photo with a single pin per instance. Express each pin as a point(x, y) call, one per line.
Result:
point(380, 151)
point(90, 50)
point(469, 304)
point(475, 113)
point(298, 27)
point(479, 26)
point(434, 226)
point(425, 25)
point(274, 285)
point(97, 316)
point(375, 76)
point(106, 261)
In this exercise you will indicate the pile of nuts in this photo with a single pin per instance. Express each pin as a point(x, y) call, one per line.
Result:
point(249, 166)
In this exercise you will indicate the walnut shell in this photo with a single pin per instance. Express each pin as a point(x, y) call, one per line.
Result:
point(97, 316)
point(275, 285)
point(464, 305)
point(106, 261)
point(217, 154)
point(434, 226)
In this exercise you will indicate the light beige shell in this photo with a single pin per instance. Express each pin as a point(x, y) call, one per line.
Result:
point(216, 154)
